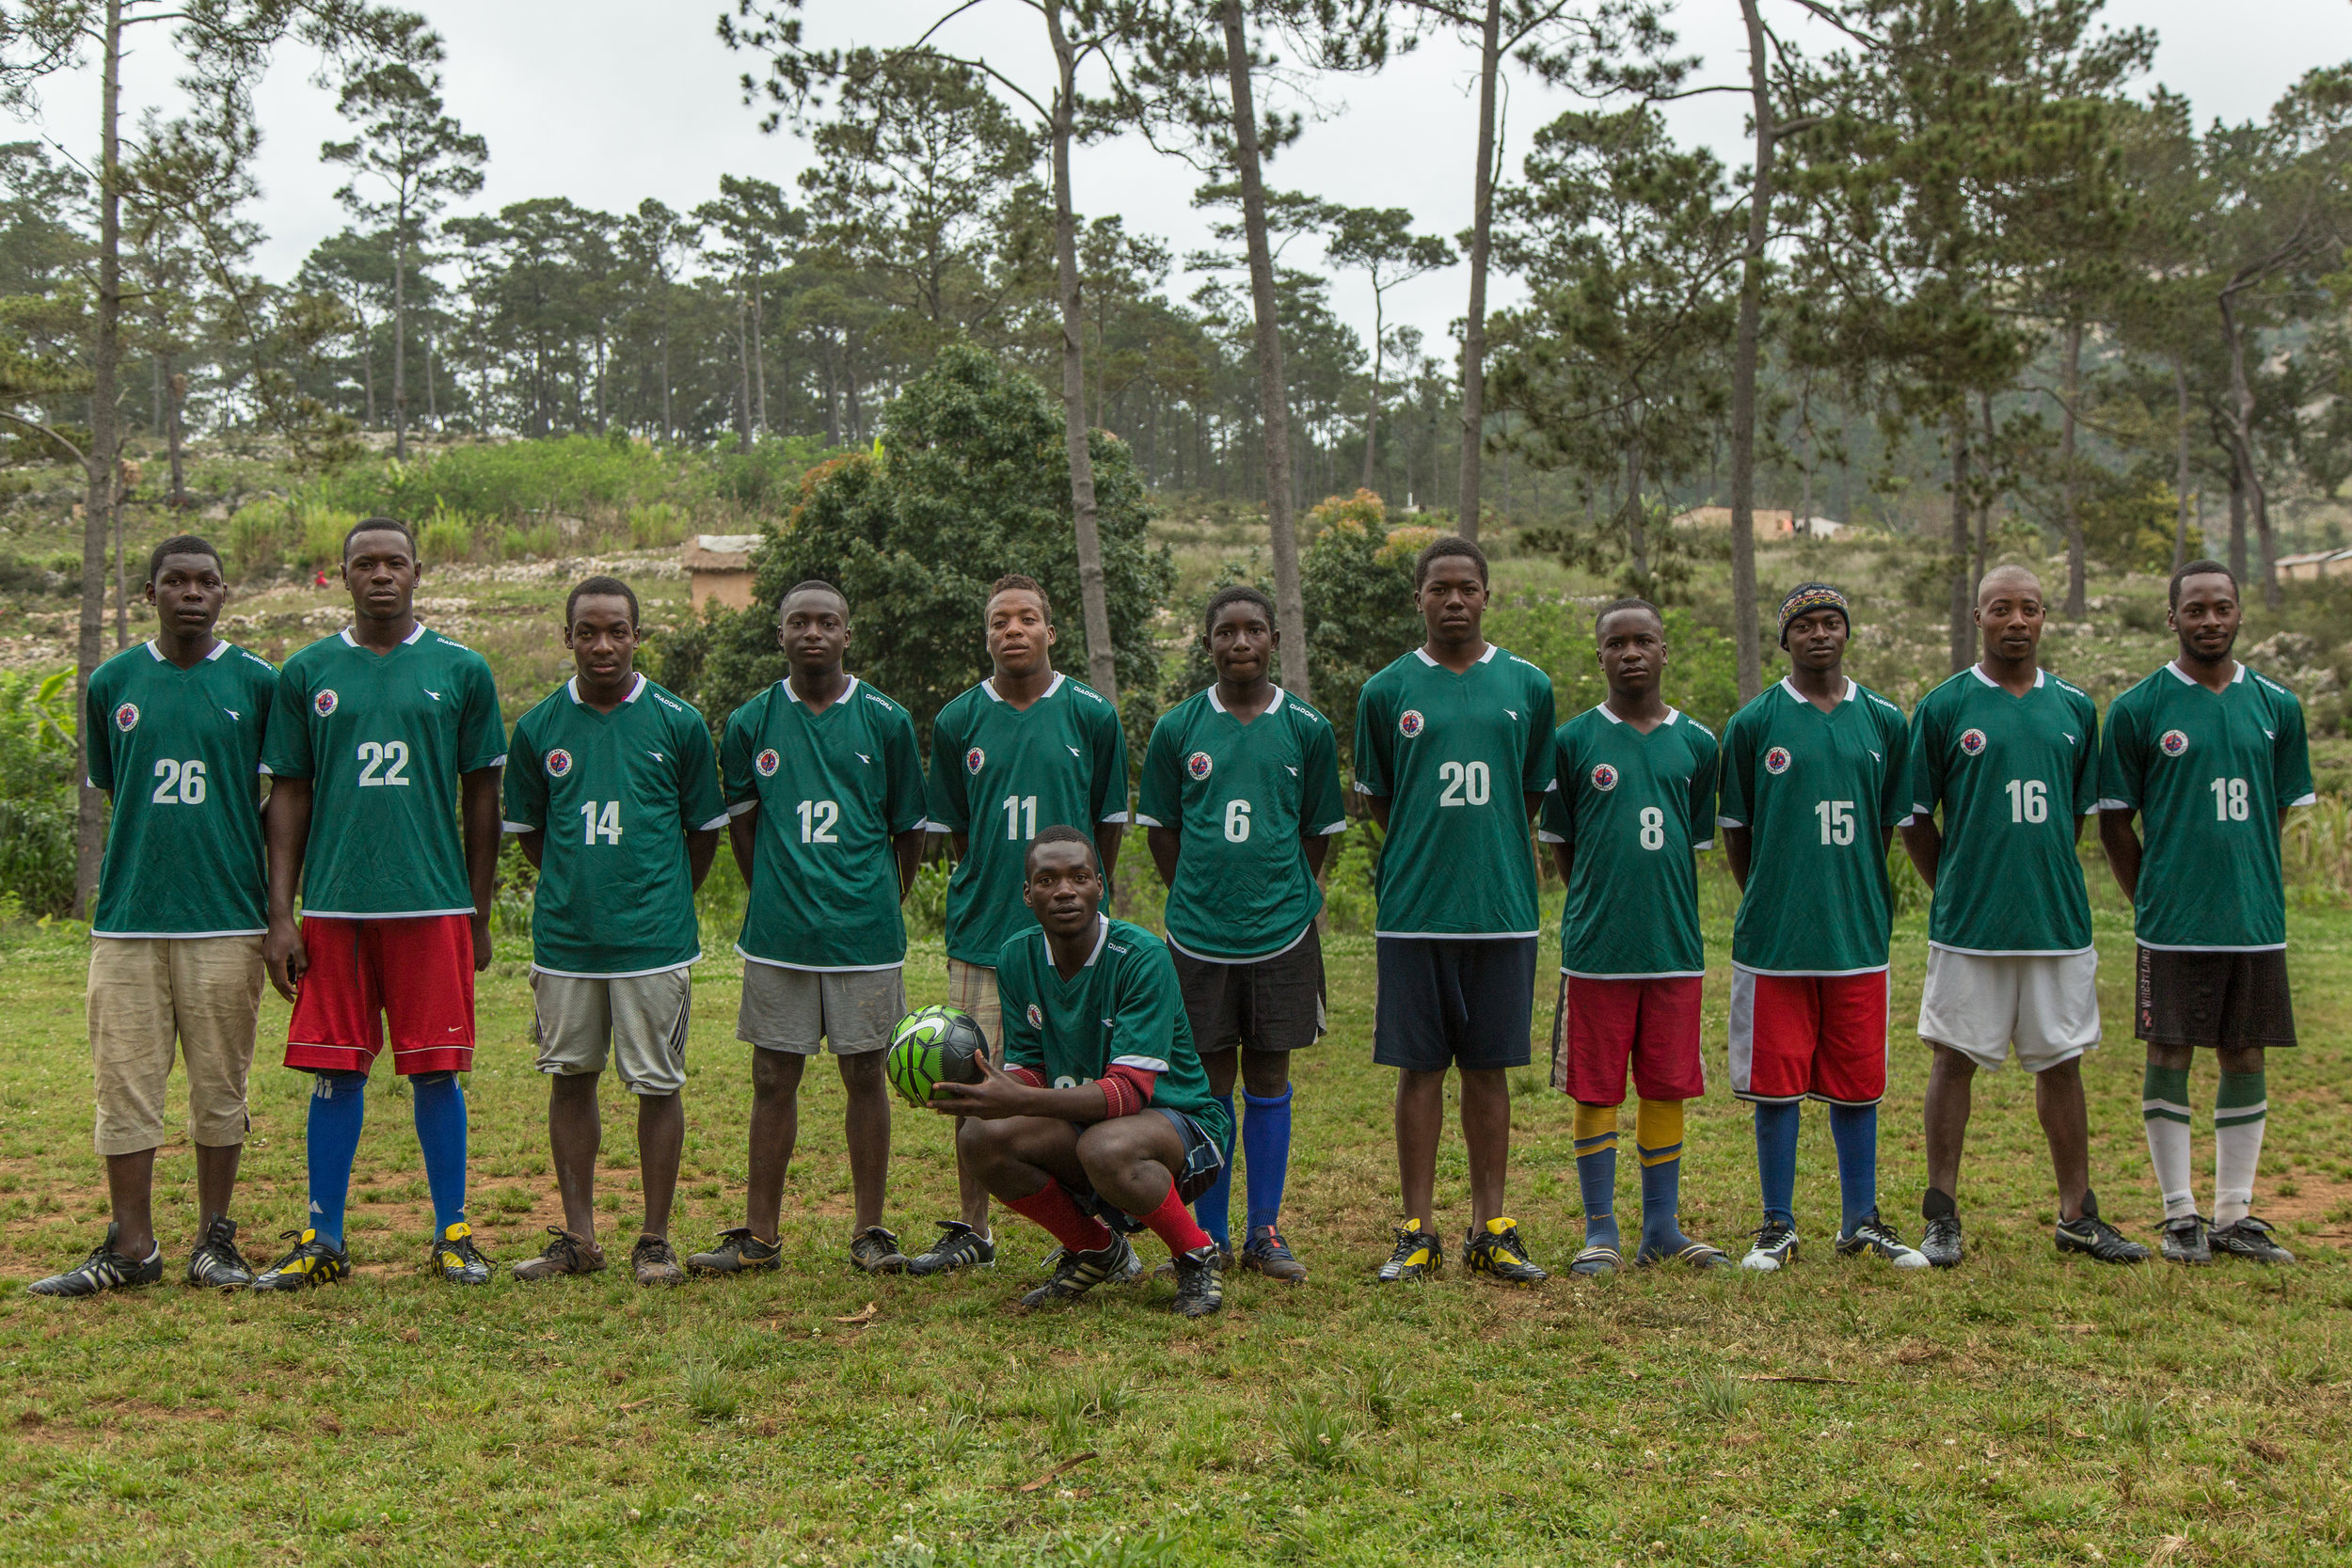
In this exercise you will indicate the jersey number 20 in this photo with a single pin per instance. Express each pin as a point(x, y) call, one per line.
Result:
point(1467, 783)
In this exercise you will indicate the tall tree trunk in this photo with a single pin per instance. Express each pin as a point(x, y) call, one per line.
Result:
point(176, 434)
point(2179, 464)
point(759, 355)
point(400, 340)
point(1963, 640)
point(1372, 403)
point(1746, 349)
point(1984, 503)
point(2242, 441)
point(1102, 657)
point(742, 379)
point(1637, 545)
point(2237, 518)
point(123, 585)
point(1290, 601)
point(98, 507)
point(2070, 514)
point(367, 369)
point(1475, 323)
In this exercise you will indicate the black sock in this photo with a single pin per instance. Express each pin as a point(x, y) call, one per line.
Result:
point(1937, 1205)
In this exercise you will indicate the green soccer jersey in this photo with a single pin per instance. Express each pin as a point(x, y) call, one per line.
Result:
point(1634, 809)
point(613, 797)
point(383, 737)
point(999, 774)
point(833, 788)
point(1123, 1009)
point(1817, 792)
point(181, 752)
point(1241, 796)
point(1456, 755)
point(2015, 776)
point(2208, 773)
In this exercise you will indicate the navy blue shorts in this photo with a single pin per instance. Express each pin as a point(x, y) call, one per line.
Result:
point(1466, 1002)
point(1204, 1159)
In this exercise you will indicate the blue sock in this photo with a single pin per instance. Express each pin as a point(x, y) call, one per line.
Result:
point(1595, 1128)
point(440, 1102)
point(1776, 1159)
point(1855, 1131)
point(1657, 1142)
point(339, 1108)
point(1214, 1209)
point(1265, 1141)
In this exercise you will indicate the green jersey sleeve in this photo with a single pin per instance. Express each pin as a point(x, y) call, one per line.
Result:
point(1707, 758)
point(1737, 769)
point(906, 804)
point(735, 762)
point(1325, 803)
point(526, 788)
point(2123, 756)
point(950, 811)
point(2291, 752)
point(1109, 795)
point(1146, 1010)
point(1536, 773)
point(702, 805)
point(98, 735)
point(1924, 789)
point(1159, 798)
point(1894, 784)
point(481, 733)
point(1373, 724)
point(2086, 756)
point(286, 745)
point(1556, 823)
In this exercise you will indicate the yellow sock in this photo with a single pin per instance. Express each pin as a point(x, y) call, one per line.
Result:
point(1657, 1131)
point(1595, 1129)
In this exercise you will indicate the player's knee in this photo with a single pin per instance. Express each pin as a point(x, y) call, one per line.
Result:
point(335, 1085)
point(862, 1074)
point(775, 1073)
point(1265, 1073)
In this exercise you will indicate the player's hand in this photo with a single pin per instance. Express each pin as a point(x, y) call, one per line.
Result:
point(482, 948)
point(286, 958)
point(995, 1096)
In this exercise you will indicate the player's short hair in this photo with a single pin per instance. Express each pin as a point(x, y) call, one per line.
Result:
point(380, 525)
point(1061, 832)
point(1239, 593)
point(2198, 569)
point(601, 588)
point(1613, 606)
point(1017, 582)
point(812, 585)
point(182, 544)
point(1438, 549)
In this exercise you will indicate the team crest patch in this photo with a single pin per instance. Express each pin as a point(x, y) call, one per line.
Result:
point(559, 763)
point(768, 762)
point(127, 717)
point(324, 703)
point(1604, 778)
point(2173, 743)
point(1972, 742)
point(1408, 723)
point(1037, 1016)
point(1777, 760)
point(1197, 765)
point(974, 760)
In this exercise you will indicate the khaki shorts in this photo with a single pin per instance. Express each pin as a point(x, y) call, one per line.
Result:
point(974, 990)
point(796, 1009)
point(637, 1021)
point(146, 995)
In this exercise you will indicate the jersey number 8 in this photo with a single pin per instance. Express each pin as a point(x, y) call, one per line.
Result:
point(179, 783)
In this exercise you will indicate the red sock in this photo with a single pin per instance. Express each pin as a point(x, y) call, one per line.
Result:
point(1052, 1207)
point(1173, 1222)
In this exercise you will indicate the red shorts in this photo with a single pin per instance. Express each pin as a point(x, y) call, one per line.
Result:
point(418, 972)
point(1797, 1037)
point(1601, 1026)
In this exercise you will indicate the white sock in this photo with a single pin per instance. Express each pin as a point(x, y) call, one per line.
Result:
point(2239, 1113)
point(2164, 1110)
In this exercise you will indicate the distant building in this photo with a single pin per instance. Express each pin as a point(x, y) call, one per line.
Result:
point(719, 569)
point(1769, 524)
point(2315, 565)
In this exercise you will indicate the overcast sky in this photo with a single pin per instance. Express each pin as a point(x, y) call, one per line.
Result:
point(594, 101)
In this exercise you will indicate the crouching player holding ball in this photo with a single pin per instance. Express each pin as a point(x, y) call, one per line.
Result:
point(1102, 1113)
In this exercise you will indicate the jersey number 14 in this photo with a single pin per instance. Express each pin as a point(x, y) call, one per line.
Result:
point(600, 819)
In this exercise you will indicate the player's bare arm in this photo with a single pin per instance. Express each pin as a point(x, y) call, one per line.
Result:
point(479, 807)
point(288, 826)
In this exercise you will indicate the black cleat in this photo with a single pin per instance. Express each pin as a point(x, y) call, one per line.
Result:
point(1267, 1253)
point(738, 1252)
point(2185, 1240)
point(1497, 1251)
point(103, 1270)
point(2094, 1237)
point(1081, 1272)
point(958, 1247)
point(1941, 1246)
point(876, 1251)
point(1419, 1253)
point(1872, 1237)
point(217, 1263)
point(1774, 1248)
point(461, 1262)
point(314, 1261)
point(2249, 1239)
point(1199, 1282)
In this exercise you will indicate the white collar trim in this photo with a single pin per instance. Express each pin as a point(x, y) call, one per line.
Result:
point(1274, 706)
point(414, 633)
point(987, 684)
point(1672, 715)
point(2187, 679)
point(1102, 935)
point(2039, 676)
point(637, 687)
point(1492, 649)
point(1795, 695)
point(155, 647)
point(786, 681)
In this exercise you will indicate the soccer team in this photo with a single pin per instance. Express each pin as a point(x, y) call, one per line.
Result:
point(372, 777)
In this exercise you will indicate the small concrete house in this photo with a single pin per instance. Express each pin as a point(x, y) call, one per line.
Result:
point(719, 569)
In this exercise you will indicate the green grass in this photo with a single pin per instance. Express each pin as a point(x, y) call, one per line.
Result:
point(2018, 1411)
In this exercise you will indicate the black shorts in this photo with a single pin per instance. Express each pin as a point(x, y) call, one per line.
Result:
point(1273, 1005)
point(1444, 1002)
point(2227, 1001)
point(1203, 1160)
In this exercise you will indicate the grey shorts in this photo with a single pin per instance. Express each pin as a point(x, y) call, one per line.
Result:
point(638, 1022)
point(854, 1010)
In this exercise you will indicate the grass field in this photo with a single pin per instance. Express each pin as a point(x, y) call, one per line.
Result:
point(2017, 1411)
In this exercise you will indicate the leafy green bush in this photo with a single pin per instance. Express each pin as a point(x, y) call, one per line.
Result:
point(1702, 664)
point(1357, 579)
point(517, 479)
point(656, 524)
point(36, 793)
point(767, 476)
point(447, 536)
point(322, 530)
point(256, 536)
point(539, 540)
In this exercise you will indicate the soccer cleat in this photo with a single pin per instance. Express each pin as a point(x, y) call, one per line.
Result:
point(217, 1263)
point(958, 1247)
point(738, 1252)
point(1201, 1282)
point(460, 1262)
point(1267, 1253)
point(1081, 1272)
point(314, 1261)
point(1875, 1238)
point(567, 1254)
point(1596, 1259)
point(1419, 1253)
point(1497, 1250)
point(1774, 1247)
point(2185, 1240)
point(2095, 1238)
point(2249, 1239)
point(876, 1251)
point(653, 1262)
point(1697, 1255)
point(104, 1269)
point(1941, 1245)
